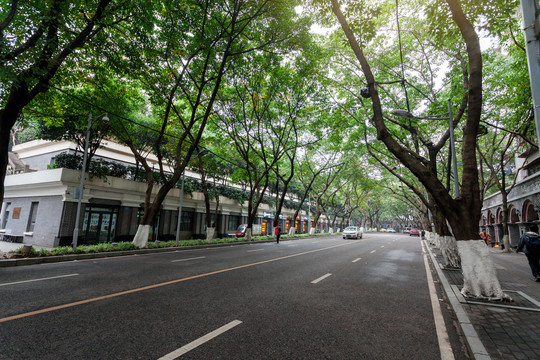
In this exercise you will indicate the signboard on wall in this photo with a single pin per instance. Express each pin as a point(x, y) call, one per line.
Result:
point(16, 213)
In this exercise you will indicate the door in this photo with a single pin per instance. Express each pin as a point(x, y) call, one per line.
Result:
point(99, 225)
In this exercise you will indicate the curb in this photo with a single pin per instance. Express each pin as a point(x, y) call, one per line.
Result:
point(476, 346)
point(74, 257)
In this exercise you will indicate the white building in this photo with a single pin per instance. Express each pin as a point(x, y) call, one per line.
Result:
point(40, 204)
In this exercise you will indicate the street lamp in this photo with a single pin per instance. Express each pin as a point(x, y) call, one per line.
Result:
point(105, 120)
point(408, 115)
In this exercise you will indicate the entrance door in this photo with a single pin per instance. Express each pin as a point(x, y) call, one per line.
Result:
point(92, 232)
point(102, 224)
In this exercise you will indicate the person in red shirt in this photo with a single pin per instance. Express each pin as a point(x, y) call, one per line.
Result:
point(278, 233)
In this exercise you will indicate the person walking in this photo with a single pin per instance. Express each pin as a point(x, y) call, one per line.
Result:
point(278, 233)
point(529, 243)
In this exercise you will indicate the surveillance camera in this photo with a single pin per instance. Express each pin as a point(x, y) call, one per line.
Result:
point(105, 119)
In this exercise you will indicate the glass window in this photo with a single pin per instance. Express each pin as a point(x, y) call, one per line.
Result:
point(32, 217)
point(6, 215)
point(187, 220)
point(234, 222)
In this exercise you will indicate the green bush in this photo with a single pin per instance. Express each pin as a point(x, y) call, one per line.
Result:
point(127, 245)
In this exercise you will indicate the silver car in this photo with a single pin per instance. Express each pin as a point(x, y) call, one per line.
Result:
point(352, 232)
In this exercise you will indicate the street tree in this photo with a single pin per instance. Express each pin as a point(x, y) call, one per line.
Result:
point(36, 40)
point(462, 212)
point(182, 62)
point(264, 112)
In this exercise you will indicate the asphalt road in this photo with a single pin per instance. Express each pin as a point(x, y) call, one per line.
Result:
point(317, 298)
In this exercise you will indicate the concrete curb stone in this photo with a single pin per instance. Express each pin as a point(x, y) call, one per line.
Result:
point(73, 257)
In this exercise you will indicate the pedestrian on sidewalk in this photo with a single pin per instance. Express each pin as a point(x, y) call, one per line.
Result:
point(485, 236)
point(278, 233)
point(529, 243)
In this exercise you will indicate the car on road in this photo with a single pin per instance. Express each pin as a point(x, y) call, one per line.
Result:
point(241, 231)
point(414, 232)
point(352, 232)
point(390, 230)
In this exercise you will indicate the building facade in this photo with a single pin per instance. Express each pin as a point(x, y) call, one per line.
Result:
point(523, 202)
point(40, 205)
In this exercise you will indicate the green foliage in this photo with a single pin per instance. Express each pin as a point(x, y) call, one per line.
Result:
point(126, 246)
point(98, 168)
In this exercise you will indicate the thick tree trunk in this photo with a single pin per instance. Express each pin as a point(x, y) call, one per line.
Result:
point(210, 232)
point(480, 277)
point(449, 250)
point(150, 212)
point(4, 148)
point(16, 102)
point(141, 236)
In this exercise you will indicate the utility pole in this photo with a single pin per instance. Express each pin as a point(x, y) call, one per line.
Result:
point(530, 10)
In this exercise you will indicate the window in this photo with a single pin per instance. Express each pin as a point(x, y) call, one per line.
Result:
point(32, 217)
point(6, 216)
point(187, 221)
point(234, 222)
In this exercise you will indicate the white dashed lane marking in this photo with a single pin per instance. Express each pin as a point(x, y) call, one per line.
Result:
point(194, 344)
point(41, 279)
point(321, 278)
point(195, 258)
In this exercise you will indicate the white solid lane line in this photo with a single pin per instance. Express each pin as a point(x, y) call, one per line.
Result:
point(440, 328)
point(371, 252)
point(321, 278)
point(192, 345)
point(255, 250)
point(355, 260)
point(195, 258)
point(41, 279)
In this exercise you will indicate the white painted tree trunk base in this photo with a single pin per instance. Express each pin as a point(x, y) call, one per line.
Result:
point(141, 236)
point(292, 231)
point(479, 275)
point(450, 252)
point(248, 234)
point(437, 240)
point(312, 231)
point(210, 232)
point(430, 237)
point(506, 243)
point(331, 230)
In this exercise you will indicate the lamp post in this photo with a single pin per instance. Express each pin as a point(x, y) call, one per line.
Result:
point(408, 115)
point(105, 119)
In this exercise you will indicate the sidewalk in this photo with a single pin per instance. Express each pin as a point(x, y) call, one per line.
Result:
point(498, 331)
point(8, 246)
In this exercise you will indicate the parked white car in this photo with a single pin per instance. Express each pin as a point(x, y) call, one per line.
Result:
point(352, 232)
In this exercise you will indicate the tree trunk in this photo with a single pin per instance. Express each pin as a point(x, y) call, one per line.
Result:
point(210, 232)
point(506, 233)
point(151, 209)
point(449, 250)
point(16, 102)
